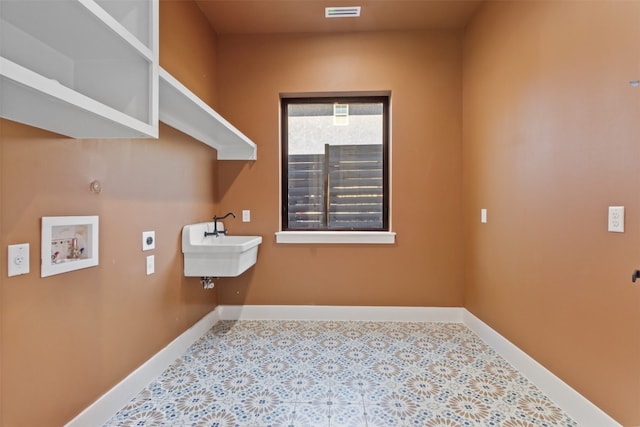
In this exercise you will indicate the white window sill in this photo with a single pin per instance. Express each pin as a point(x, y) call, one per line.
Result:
point(340, 237)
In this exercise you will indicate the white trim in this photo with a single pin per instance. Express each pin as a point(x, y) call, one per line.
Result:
point(99, 412)
point(585, 413)
point(341, 313)
point(341, 237)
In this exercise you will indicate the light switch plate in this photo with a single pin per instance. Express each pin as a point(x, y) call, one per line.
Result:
point(483, 216)
point(151, 264)
point(18, 259)
point(616, 219)
point(246, 215)
point(148, 240)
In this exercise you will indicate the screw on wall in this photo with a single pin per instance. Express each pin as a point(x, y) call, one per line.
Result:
point(95, 186)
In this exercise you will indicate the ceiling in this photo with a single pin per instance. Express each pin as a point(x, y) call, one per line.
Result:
point(307, 16)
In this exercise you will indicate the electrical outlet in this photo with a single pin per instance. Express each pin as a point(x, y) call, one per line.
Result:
point(148, 240)
point(483, 216)
point(616, 219)
point(151, 267)
point(18, 259)
point(246, 216)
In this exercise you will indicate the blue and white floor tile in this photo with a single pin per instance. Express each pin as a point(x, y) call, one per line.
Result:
point(340, 374)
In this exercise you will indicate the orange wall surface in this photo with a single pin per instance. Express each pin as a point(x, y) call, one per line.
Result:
point(422, 70)
point(529, 114)
point(188, 48)
point(67, 339)
point(551, 139)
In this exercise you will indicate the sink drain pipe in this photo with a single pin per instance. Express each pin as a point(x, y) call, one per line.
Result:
point(207, 282)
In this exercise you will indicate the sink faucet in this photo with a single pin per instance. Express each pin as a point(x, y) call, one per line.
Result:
point(215, 231)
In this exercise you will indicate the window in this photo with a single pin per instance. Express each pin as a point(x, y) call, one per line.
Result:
point(335, 164)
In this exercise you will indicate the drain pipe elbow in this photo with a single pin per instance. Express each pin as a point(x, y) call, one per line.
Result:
point(207, 282)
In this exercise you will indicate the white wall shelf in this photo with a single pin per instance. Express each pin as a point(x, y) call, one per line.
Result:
point(182, 109)
point(81, 68)
point(90, 69)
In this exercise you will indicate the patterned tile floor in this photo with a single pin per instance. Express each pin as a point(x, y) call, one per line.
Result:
point(360, 374)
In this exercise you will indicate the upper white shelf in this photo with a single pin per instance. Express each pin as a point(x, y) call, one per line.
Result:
point(89, 69)
point(182, 109)
point(81, 68)
point(30, 98)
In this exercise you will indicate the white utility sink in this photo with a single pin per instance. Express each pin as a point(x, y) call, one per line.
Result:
point(216, 256)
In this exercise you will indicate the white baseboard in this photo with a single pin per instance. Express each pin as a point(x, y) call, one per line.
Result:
point(341, 313)
point(585, 413)
point(99, 412)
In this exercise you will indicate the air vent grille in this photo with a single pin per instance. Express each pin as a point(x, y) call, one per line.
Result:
point(340, 114)
point(342, 12)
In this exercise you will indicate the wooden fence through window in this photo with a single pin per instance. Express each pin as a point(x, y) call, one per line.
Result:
point(342, 189)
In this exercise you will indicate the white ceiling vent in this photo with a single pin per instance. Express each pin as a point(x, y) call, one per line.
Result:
point(342, 12)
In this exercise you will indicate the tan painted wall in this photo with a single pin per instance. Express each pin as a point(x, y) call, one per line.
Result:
point(423, 72)
point(551, 130)
point(551, 139)
point(67, 339)
point(188, 48)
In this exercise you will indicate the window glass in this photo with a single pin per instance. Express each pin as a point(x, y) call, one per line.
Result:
point(335, 164)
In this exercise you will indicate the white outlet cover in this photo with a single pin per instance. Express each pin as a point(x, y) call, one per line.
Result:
point(246, 215)
point(148, 240)
point(483, 216)
point(616, 219)
point(18, 259)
